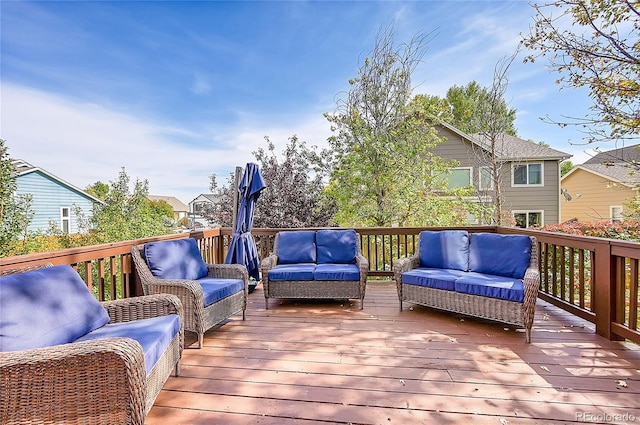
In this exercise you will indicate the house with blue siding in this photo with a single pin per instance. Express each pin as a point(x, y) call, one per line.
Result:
point(53, 199)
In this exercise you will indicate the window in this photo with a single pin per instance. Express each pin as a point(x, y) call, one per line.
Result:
point(615, 212)
point(65, 219)
point(527, 174)
point(486, 178)
point(198, 207)
point(457, 178)
point(526, 219)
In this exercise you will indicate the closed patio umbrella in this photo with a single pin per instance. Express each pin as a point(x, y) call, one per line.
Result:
point(242, 249)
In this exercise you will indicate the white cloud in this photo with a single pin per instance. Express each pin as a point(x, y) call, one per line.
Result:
point(82, 143)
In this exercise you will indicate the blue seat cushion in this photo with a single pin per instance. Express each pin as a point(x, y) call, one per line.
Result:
point(292, 272)
point(339, 271)
point(154, 334)
point(298, 246)
point(215, 289)
point(446, 249)
point(336, 246)
point(502, 255)
point(46, 307)
point(486, 285)
point(179, 259)
point(432, 278)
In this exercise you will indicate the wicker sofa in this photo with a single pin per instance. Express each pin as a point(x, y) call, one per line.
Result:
point(323, 264)
point(67, 358)
point(486, 275)
point(210, 293)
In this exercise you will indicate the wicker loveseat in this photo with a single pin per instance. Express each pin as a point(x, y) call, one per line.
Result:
point(210, 293)
point(485, 275)
point(67, 358)
point(323, 264)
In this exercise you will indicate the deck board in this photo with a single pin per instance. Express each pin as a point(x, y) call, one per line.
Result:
point(304, 362)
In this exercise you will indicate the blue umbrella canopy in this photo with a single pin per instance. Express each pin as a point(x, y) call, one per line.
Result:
point(242, 249)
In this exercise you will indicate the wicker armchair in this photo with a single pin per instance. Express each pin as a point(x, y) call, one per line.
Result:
point(198, 318)
point(102, 381)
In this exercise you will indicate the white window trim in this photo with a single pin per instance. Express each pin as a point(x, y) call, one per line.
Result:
point(491, 184)
point(470, 174)
point(66, 219)
point(611, 207)
point(513, 166)
point(527, 212)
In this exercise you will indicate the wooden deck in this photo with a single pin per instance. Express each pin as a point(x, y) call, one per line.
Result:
point(306, 362)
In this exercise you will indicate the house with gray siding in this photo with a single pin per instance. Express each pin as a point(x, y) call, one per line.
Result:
point(529, 180)
point(53, 199)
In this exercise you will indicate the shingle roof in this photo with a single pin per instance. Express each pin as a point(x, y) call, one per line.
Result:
point(512, 148)
point(176, 204)
point(515, 148)
point(22, 167)
point(627, 154)
point(618, 172)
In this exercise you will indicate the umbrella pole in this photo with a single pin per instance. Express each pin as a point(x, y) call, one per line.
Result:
point(236, 198)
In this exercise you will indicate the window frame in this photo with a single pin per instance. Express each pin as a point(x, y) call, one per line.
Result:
point(490, 175)
point(527, 212)
point(447, 175)
point(527, 164)
point(65, 219)
point(612, 218)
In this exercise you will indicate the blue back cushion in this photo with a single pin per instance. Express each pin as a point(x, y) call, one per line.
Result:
point(502, 255)
point(446, 249)
point(336, 246)
point(297, 246)
point(179, 259)
point(46, 307)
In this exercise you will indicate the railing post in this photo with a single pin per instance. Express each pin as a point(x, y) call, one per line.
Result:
point(604, 298)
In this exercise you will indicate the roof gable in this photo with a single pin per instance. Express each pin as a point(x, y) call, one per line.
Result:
point(619, 173)
point(174, 202)
point(23, 168)
point(511, 147)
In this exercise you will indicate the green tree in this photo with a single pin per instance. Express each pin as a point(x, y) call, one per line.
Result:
point(565, 167)
point(293, 196)
point(128, 214)
point(382, 170)
point(99, 190)
point(593, 44)
point(15, 210)
point(469, 108)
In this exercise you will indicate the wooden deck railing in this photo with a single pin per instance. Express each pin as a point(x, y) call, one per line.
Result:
point(593, 278)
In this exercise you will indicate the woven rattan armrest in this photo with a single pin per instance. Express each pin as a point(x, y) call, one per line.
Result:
point(405, 264)
point(143, 307)
point(103, 379)
point(268, 263)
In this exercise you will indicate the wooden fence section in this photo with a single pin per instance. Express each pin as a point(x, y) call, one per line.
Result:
point(593, 278)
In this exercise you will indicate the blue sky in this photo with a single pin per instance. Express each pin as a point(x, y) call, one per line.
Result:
point(176, 91)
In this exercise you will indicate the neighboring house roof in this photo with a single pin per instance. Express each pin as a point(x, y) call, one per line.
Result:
point(513, 148)
point(175, 203)
point(23, 168)
point(208, 196)
point(626, 155)
point(616, 165)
